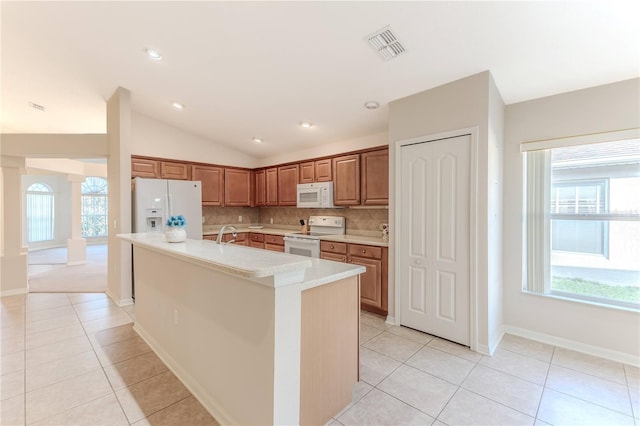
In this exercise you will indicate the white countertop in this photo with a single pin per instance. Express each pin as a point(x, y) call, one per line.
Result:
point(357, 239)
point(248, 262)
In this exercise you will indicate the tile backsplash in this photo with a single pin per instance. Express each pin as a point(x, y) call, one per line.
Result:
point(359, 221)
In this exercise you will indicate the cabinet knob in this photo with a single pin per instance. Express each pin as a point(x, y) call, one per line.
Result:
point(332, 246)
point(364, 251)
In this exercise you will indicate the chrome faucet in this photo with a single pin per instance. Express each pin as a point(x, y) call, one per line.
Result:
point(234, 233)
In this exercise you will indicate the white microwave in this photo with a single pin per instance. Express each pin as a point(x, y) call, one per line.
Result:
point(315, 195)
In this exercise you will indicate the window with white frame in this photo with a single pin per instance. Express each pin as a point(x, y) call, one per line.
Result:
point(94, 207)
point(40, 213)
point(583, 218)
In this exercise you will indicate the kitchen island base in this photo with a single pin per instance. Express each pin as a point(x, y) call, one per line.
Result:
point(250, 352)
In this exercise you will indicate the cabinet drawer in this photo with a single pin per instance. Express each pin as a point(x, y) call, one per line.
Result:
point(242, 236)
point(333, 256)
point(274, 239)
point(332, 247)
point(210, 237)
point(274, 247)
point(256, 244)
point(371, 252)
point(256, 237)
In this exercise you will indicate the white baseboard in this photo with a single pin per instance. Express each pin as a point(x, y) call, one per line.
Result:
point(190, 383)
point(573, 345)
point(80, 262)
point(14, 292)
point(391, 321)
point(119, 302)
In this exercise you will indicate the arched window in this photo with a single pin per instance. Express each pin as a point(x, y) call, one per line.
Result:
point(94, 207)
point(40, 213)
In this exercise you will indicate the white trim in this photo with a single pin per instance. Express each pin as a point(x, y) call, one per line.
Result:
point(574, 345)
point(473, 226)
point(119, 302)
point(187, 380)
point(618, 135)
point(79, 262)
point(392, 320)
point(14, 292)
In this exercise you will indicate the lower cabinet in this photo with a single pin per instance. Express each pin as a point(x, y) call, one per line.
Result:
point(274, 242)
point(373, 282)
point(256, 240)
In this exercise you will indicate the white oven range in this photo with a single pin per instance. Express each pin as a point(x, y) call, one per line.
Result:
point(308, 244)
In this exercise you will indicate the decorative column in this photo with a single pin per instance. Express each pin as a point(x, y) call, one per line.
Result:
point(14, 267)
point(76, 245)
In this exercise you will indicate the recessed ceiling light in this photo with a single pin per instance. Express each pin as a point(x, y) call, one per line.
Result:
point(371, 105)
point(177, 105)
point(257, 140)
point(153, 54)
point(306, 124)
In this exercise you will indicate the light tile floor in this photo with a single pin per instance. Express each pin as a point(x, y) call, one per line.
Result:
point(74, 359)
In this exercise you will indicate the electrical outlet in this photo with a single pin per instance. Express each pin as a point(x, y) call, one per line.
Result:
point(203, 220)
point(271, 221)
point(239, 218)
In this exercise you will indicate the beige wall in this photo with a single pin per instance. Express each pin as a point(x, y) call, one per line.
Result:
point(462, 104)
point(154, 138)
point(607, 331)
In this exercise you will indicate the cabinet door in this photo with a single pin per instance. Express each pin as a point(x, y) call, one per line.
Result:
point(375, 177)
point(287, 185)
point(237, 188)
point(307, 172)
point(175, 170)
point(332, 256)
point(346, 178)
point(260, 188)
point(370, 282)
point(212, 179)
point(272, 186)
point(323, 170)
point(142, 167)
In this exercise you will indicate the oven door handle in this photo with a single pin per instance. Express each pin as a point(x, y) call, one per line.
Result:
point(301, 240)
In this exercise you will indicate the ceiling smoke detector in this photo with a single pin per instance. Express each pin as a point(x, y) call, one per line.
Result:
point(371, 105)
point(385, 43)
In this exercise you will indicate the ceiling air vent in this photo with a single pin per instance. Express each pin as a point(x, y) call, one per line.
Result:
point(37, 107)
point(385, 42)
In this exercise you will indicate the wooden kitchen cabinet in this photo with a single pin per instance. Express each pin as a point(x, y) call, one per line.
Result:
point(274, 242)
point(374, 282)
point(316, 171)
point(271, 186)
point(260, 188)
point(323, 170)
point(144, 168)
point(288, 185)
point(346, 178)
point(241, 238)
point(211, 237)
point(237, 188)
point(212, 179)
point(375, 178)
point(175, 170)
point(256, 240)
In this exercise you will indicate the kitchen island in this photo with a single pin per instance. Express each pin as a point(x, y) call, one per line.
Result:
point(258, 337)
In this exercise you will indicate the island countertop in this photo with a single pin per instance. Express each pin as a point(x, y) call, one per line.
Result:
point(247, 262)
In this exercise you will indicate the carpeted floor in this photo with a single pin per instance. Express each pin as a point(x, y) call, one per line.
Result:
point(49, 273)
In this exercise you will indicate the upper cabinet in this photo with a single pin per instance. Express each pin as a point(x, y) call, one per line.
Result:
point(316, 171)
point(288, 185)
point(375, 178)
point(145, 168)
point(212, 179)
point(271, 186)
point(260, 180)
point(175, 170)
point(346, 178)
point(237, 188)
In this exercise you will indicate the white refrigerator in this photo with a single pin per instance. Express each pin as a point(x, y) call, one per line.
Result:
point(154, 200)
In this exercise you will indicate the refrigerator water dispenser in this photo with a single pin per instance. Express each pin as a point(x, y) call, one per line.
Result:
point(154, 220)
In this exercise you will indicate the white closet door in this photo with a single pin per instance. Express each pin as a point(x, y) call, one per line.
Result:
point(434, 247)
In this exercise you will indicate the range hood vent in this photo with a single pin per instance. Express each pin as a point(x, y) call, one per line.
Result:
point(386, 44)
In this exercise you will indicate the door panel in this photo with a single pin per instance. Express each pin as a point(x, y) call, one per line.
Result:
point(434, 248)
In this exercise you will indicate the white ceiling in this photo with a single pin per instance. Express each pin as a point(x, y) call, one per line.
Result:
point(245, 69)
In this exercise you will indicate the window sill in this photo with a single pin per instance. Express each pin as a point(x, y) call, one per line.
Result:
point(567, 298)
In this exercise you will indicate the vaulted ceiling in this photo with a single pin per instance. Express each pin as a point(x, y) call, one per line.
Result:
point(257, 69)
